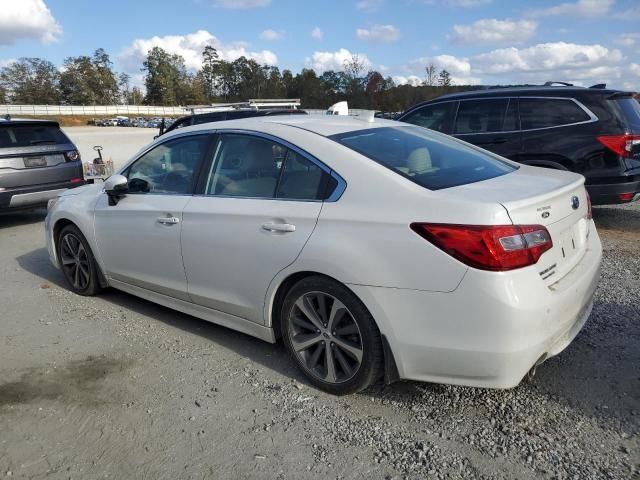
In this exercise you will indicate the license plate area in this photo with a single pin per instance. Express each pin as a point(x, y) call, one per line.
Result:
point(43, 161)
point(569, 246)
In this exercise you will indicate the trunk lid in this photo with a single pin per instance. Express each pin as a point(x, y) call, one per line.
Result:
point(539, 196)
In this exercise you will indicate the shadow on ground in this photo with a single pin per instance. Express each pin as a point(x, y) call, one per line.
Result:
point(601, 372)
point(21, 217)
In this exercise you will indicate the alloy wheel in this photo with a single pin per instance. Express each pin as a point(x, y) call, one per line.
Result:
point(75, 261)
point(325, 337)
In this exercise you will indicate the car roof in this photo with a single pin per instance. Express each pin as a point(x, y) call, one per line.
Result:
point(27, 121)
point(325, 125)
point(552, 91)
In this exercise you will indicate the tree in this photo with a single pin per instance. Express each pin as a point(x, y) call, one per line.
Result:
point(124, 84)
point(89, 80)
point(136, 97)
point(444, 79)
point(431, 79)
point(31, 81)
point(166, 78)
point(353, 67)
point(211, 71)
point(374, 89)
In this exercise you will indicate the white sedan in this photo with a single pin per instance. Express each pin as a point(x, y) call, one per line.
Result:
point(371, 248)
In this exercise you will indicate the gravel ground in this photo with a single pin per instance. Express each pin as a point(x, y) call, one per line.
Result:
point(116, 386)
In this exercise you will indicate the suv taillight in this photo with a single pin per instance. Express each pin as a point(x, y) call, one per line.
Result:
point(488, 247)
point(622, 145)
point(72, 155)
point(589, 209)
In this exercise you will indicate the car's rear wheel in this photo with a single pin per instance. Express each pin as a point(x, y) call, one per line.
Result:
point(77, 261)
point(331, 336)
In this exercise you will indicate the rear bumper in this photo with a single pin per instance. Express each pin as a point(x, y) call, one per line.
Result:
point(608, 193)
point(32, 196)
point(492, 329)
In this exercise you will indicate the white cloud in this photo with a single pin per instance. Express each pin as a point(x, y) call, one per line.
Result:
point(581, 8)
point(412, 80)
point(190, 47)
point(324, 61)
point(270, 34)
point(458, 3)
point(558, 60)
point(369, 5)
point(629, 14)
point(466, 3)
point(317, 33)
point(580, 64)
point(628, 39)
point(379, 33)
point(458, 68)
point(494, 32)
point(240, 4)
point(27, 19)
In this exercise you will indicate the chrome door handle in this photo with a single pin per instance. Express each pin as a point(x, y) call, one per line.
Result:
point(168, 220)
point(278, 227)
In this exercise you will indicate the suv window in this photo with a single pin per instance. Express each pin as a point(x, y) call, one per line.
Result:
point(549, 112)
point(170, 167)
point(481, 116)
point(15, 135)
point(248, 166)
point(431, 161)
point(437, 116)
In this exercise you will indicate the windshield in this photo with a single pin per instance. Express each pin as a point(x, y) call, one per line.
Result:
point(29, 135)
point(431, 160)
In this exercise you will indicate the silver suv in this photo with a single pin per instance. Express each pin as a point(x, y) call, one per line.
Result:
point(37, 162)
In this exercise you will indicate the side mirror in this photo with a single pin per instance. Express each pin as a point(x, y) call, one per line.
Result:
point(116, 186)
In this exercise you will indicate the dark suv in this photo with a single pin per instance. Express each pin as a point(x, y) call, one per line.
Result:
point(37, 161)
point(219, 116)
point(593, 131)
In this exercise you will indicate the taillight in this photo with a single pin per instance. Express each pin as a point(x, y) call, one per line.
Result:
point(589, 209)
point(488, 247)
point(626, 197)
point(622, 145)
point(72, 155)
point(75, 180)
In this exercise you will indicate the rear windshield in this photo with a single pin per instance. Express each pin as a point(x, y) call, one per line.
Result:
point(430, 160)
point(29, 135)
point(631, 109)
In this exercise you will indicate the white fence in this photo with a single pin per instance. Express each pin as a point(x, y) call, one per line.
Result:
point(91, 110)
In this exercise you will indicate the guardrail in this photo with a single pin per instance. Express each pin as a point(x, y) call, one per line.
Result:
point(90, 110)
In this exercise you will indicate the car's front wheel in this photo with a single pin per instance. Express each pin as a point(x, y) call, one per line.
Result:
point(77, 261)
point(331, 336)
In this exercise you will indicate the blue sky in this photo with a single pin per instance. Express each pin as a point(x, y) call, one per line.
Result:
point(477, 41)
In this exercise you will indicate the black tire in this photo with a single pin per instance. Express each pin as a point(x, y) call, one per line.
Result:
point(348, 373)
point(72, 246)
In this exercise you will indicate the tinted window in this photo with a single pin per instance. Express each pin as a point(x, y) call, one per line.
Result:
point(170, 167)
point(511, 118)
point(214, 117)
point(430, 160)
point(631, 109)
point(438, 116)
point(29, 135)
point(248, 166)
point(481, 116)
point(549, 112)
point(301, 179)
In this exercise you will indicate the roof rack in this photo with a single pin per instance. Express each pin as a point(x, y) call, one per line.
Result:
point(564, 84)
point(254, 103)
point(599, 86)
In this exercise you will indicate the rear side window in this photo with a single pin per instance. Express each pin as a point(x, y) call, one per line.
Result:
point(30, 135)
point(430, 160)
point(437, 116)
point(481, 116)
point(631, 109)
point(549, 112)
point(254, 167)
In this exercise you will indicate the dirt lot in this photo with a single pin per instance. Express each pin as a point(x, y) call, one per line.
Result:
point(114, 386)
